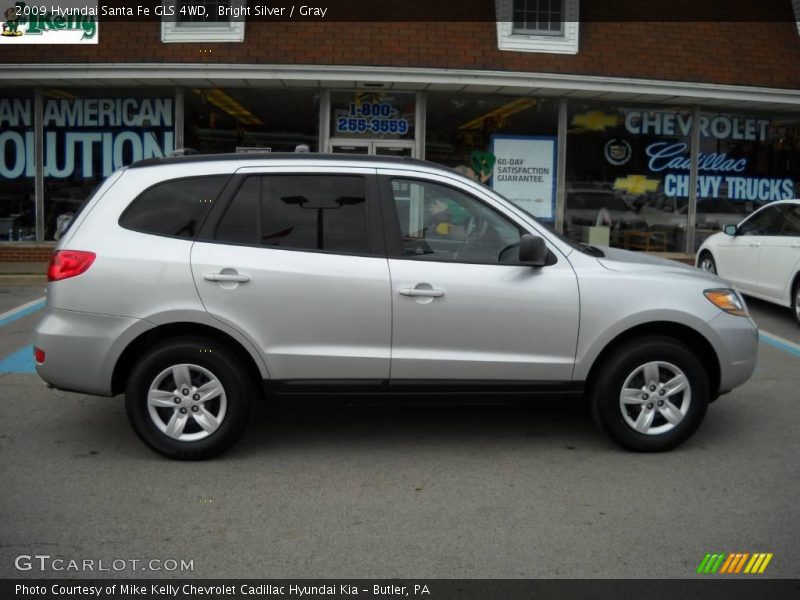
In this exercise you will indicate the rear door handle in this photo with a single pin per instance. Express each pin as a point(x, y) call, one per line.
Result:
point(421, 293)
point(235, 277)
point(755, 244)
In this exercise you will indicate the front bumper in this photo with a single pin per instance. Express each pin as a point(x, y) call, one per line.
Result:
point(81, 349)
point(737, 349)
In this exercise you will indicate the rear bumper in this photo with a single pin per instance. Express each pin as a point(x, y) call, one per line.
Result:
point(81, 349)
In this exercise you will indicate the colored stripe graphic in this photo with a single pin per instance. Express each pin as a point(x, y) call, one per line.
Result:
point(734, 562)
point(727, 564)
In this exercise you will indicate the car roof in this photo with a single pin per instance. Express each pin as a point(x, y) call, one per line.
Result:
point(303, 157)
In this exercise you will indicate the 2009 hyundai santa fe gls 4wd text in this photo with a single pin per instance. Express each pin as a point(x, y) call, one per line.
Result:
point(196, 284)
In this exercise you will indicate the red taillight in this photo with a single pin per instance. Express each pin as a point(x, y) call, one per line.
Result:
point(38, 355)
point(68, 263)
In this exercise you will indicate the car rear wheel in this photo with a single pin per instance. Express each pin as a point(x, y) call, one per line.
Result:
point(796, 300)
point(651, 394)
point(188, 398)
point(707, 263)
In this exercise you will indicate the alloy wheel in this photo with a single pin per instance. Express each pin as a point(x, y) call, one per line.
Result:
point(187, 402)
point(655, 398)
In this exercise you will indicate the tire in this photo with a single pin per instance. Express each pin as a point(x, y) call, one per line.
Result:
point(631, 367)
point(707, 262)
point(211, 412)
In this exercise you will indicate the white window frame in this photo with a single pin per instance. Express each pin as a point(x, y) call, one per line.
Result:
point(174, 31)
point(796, 8)
point(508, 39)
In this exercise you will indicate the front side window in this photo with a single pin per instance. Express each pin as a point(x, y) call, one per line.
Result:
point(299, 212)
point(440, 223)
point(764, 222)
point(791, 220)
point(173, 208)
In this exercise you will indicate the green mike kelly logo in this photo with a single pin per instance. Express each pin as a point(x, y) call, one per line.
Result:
point(41, 22)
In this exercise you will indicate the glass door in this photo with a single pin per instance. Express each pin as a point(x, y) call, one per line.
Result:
point(380, 147)
point(385, 148)
point(350, 147)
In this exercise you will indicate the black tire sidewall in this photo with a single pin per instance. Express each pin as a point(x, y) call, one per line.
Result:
point(209, 355)
point(707, 255)
point(795, 290)
point(614, 371)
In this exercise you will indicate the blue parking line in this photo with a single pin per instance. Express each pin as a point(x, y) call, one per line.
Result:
point(28, 310)
point(19, 362)
point(779, 343)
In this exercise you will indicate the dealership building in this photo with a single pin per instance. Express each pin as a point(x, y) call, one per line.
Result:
point(643, 131)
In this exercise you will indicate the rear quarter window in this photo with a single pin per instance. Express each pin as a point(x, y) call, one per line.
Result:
point(174, 208)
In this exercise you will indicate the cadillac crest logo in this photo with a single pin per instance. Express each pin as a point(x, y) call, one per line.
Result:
point(618, 152)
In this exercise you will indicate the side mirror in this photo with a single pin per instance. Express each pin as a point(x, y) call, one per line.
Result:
point(532, 251)
point(730, 229)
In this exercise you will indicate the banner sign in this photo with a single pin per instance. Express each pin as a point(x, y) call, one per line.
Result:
point(84, 137)
point(721, 175)
point(525, 172)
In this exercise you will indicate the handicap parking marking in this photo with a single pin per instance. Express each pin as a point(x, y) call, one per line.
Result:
point(19, 362)
point(22, 311)
point(780, 343)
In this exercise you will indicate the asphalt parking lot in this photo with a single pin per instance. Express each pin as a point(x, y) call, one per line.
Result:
point(472, 492)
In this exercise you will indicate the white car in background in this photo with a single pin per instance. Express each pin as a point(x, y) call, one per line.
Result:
point(760, 255)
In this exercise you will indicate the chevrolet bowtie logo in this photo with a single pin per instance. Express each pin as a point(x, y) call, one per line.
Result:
point(636, 184)
point(595, 120)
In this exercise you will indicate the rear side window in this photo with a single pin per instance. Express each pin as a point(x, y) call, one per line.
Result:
point(173, 208)
point(299, 212)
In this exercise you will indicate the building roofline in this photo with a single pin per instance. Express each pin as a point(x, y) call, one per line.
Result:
point(589, 87)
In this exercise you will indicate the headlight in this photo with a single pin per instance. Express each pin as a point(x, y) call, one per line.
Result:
point(728, 300)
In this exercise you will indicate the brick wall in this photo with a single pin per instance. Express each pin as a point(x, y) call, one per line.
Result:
point(758, 53)
point(25, 252)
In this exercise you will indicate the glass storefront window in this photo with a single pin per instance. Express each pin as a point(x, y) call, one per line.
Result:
point(628, 176)
point(251, 120)
point(17, 169)
point(507, 142)
point(89, 133)
point(745, 162)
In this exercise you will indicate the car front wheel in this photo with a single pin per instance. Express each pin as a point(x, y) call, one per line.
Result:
point(796, 301)
point(651, 394)
point(188, 398)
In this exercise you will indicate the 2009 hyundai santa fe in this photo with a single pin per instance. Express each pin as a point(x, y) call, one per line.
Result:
point(196, 284)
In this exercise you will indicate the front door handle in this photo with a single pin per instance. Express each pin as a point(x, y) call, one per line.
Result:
point(234, 277)
point(755, 244)
point(421, 293)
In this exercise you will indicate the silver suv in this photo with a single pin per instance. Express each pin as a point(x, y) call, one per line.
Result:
point(196, 284)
